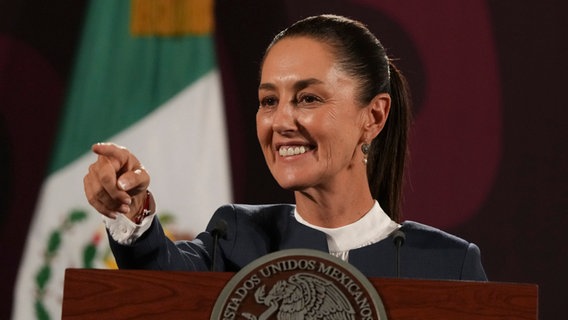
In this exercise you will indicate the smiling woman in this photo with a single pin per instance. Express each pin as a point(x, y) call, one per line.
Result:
point(332, 123)
point(307, 100)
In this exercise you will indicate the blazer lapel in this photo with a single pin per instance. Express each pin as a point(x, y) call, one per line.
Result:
point(299, 236)
point(376, 260)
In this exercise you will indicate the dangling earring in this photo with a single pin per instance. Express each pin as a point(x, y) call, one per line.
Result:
point(365, 149)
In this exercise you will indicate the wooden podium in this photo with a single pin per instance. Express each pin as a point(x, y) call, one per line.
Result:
point(133, 294)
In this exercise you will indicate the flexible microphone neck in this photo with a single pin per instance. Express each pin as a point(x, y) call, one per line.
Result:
point(398, 238)
point(220, 231)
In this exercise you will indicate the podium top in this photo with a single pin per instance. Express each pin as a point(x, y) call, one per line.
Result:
point(128, 294)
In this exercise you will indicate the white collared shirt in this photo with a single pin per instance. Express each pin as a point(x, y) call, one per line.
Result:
point(124, 231)
point(373, 227)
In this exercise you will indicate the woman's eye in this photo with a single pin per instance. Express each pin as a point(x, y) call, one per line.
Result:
point(308, 99)
point(268, 102)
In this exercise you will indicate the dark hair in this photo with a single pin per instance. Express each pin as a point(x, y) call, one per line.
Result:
point(361, 55)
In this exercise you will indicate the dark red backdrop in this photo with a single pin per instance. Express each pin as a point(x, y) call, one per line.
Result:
point(489, 147)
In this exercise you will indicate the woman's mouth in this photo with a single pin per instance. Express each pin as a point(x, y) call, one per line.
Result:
point(286, 151)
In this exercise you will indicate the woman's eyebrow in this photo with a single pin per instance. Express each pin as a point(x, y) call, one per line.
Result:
point(302, 84)
point(266, 86)
point(298, 85)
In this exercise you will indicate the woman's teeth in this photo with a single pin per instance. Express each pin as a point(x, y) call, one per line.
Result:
point(292, 151)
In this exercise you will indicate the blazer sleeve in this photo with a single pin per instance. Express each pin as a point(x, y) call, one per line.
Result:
point(245, 240)
point(155, 251)
point(472, 268)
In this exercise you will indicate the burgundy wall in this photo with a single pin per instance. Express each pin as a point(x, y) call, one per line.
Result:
point(489, 146)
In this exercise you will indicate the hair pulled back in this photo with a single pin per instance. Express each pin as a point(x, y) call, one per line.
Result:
point(361, 55)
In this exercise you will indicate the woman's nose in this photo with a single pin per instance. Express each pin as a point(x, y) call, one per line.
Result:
point(284, 118)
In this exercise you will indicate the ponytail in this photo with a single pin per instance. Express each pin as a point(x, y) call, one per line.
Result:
point(387, 155)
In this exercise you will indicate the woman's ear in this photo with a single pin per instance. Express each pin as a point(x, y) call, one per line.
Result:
point(377, 114)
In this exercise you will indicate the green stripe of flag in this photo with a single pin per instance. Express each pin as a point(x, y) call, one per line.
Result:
point(119, 78)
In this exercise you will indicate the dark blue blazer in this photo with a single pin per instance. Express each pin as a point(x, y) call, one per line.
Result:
point(255, 230)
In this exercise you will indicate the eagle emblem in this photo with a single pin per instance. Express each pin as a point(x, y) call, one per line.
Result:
point(303, 296)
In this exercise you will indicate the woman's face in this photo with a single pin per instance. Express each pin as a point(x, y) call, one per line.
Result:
point(309, 124)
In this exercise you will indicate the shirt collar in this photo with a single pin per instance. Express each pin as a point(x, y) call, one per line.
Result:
point(373, 227)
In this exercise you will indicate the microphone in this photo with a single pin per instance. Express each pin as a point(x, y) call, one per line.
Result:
point(220, 231)
point(398, 238)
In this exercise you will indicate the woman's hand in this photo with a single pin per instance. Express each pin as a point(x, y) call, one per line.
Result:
point(116, 182)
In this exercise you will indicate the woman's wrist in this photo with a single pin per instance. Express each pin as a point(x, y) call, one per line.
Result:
point(146, 209)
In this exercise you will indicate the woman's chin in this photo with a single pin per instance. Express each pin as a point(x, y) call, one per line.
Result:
point(291, 184)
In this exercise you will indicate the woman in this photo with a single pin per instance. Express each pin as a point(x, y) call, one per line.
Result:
point(332, 124)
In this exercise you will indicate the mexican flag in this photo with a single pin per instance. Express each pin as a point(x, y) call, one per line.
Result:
point(145, 78)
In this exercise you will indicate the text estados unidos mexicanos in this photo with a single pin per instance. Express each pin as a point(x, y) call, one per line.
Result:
point(352, 287)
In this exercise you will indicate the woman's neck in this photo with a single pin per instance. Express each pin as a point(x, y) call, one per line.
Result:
point(334, 208)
